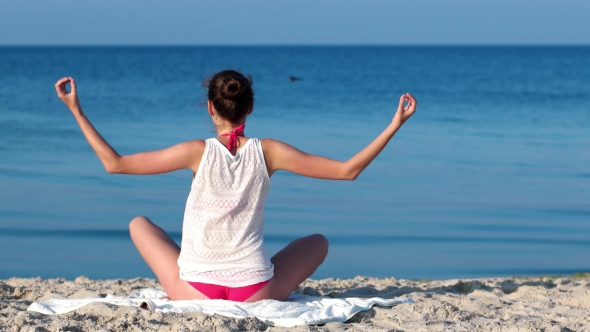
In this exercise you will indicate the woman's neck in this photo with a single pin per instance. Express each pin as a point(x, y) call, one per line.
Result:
point(227, 128)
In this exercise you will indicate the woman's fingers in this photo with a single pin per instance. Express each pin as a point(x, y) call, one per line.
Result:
point(402, 101)
point(73, 84)
point(411, 107)
point(412, 99)
point(407, 106)
point(60, 86)
point(61, 82)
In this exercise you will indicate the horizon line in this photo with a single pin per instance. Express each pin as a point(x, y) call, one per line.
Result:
point(298, 45)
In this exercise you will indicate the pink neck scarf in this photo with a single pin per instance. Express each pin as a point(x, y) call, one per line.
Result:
point(233, 137)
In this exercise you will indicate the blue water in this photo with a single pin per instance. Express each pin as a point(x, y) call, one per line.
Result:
point(491, 177)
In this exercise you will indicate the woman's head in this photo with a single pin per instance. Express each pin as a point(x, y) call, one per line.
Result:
point(230, 93)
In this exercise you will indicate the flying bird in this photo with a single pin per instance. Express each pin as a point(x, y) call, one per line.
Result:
point(293, 79)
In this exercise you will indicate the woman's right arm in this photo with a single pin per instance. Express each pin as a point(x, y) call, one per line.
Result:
point(281, 156)
point(180, 156)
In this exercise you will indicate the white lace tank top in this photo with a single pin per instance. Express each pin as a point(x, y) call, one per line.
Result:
point(222, 228)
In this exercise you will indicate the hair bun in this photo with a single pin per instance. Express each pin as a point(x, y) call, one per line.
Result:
point(232, 89)
point(231, 94)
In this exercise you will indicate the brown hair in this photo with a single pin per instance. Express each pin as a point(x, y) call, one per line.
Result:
point(231, 94)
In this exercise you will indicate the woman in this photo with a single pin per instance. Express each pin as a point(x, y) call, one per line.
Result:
point(222, 254)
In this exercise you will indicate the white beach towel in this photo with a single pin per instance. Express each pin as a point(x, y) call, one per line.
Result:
point(296, 310)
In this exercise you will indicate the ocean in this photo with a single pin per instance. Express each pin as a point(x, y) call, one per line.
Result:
point(490, 177)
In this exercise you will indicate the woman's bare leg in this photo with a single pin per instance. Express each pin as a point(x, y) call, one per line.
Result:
point(295, 263)
point(161, 254)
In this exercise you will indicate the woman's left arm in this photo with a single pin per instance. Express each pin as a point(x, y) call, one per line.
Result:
point(180, 156)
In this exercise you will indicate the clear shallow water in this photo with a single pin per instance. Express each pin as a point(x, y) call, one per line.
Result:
point(490, 177)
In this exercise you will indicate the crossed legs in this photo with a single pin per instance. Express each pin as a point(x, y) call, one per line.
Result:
point(292, 265)
point(160, 252)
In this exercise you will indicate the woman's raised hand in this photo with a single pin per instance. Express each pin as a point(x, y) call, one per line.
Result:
point(407, 107)
point(69, 98)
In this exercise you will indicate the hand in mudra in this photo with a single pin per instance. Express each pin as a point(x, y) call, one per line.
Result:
point(69, 98)
point(406, 108)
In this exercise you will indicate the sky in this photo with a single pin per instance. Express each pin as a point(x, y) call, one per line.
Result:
point(290, 22)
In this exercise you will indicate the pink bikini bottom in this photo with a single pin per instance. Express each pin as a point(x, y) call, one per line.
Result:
point(238, 294)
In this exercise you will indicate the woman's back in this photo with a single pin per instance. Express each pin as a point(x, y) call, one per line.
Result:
point(223, 220)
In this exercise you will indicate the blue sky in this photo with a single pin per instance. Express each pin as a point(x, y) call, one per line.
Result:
point(224, 22)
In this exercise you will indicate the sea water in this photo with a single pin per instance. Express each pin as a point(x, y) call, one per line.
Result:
point(491, 176)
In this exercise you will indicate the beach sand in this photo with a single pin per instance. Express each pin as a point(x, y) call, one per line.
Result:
point(485, 304)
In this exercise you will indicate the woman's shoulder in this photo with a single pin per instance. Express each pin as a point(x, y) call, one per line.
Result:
point(196, 143)
point(193, 147)
point(273, 148)
point(271, 144)
point(267, 143)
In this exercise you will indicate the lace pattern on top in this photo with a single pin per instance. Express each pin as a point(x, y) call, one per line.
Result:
point(223, 221)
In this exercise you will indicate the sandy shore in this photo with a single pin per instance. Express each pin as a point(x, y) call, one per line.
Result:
point(487, 304)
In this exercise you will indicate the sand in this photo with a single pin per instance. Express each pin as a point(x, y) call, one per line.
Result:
point(487, 304)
